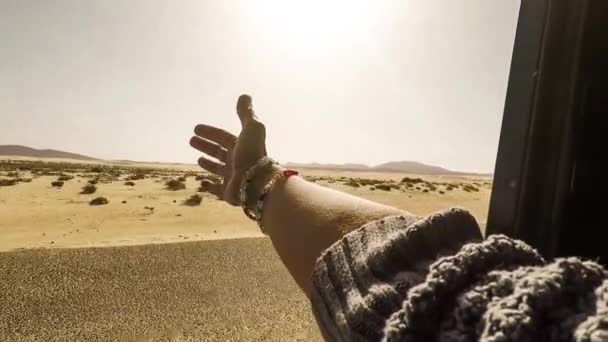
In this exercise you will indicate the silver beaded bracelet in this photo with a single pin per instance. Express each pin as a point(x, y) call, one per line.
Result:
point(249, 174)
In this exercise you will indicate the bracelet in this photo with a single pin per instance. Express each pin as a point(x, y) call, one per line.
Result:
point(249, 174)
point(281, 175)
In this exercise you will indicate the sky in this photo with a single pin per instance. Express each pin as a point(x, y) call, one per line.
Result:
point(334, 81)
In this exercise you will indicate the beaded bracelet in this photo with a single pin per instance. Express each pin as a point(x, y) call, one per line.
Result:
point(281, 175)
point(249, 174)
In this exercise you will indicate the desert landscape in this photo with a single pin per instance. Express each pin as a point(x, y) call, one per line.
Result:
point(100, 250)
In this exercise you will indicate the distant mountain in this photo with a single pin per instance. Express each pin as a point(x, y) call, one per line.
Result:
point(347, 166)
point(24, 151)
point(396, 166)
point(413, 167)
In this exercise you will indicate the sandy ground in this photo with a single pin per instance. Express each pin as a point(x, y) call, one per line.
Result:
point(170, 273)
point(223, 290)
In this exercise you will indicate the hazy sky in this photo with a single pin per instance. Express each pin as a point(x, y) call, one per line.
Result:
point(342, 81)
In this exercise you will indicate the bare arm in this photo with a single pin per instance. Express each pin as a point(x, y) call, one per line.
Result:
point(301, 218)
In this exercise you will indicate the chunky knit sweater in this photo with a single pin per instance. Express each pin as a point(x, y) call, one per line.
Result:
point(404, 278)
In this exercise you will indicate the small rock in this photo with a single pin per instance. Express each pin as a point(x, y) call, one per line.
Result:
point(178, 214)
point(123, 202)
point(174, 201)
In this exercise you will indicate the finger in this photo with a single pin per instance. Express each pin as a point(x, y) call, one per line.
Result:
point(217, 135)
point(210, 148)
point(212, 166)
point(212, 188)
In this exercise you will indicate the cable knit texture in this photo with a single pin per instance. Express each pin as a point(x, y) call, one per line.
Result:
point(404, 278)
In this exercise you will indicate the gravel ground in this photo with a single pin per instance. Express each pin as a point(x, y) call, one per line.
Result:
point(235, 290)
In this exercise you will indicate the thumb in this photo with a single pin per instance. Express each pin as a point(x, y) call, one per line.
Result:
point(244, 108)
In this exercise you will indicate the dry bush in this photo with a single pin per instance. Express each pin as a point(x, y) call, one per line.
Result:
point(469, 188)
point(64, 178)
point(365, 181)
point(193, 200)
point(372, 188)
point(88, 189)
point(450, 187)
point(181, 179)
point(412, 180)
point(431, 187)
point(93, 181)
point(175, 185)
point(137, 176)
point(24, 180)
point(99, 201)
point(441, 192)
point(8, 182)
point(385, 187)
point(129, 183)
point(418, 188)
point(425, 190)
point(352, 182)
point(13, 174)
point(97, 169)
point(57, 184)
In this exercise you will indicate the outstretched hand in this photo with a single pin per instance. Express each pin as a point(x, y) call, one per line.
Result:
point(233, 155)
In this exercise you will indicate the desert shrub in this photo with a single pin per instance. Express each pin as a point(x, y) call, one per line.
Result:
point(96, 169)
point(99, 201)
point(352, 182)
point(395, 186)
point(441, 192)
point(418, 188)
point(93, 181)
point(193, 200)
point(431, 187)
point(425, 190)
point(450, 187)
point(24, 180)
point(174, 185)
point(181, 179)
point(137, 176)
point(412, 180)
point(64, 178)
point(88, 189)
point(365, 182)
point(212, 178)
point(469, 188)
point(124, 202)
point(130, 183)
point(57, 184)
point(8, 182)
point(13, 174)
point(385, 187)
point(373, 188)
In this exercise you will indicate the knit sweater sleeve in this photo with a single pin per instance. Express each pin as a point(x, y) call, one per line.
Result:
point(404, 278)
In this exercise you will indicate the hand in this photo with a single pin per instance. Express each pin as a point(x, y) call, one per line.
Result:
point(234, 155)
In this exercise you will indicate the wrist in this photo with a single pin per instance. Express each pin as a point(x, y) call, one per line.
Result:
point(257, 184)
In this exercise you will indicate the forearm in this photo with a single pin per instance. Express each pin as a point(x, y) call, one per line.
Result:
point(303, 219)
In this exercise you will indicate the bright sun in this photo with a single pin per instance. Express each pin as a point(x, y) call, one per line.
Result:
point(312, 24)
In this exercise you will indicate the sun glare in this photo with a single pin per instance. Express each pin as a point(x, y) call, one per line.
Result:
point(313, 24)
